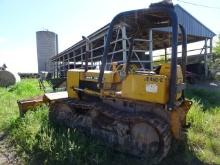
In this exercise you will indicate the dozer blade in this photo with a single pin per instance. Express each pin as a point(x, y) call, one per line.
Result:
point(33, 102)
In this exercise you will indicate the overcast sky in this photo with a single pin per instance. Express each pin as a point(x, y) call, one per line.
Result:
point(70, 19)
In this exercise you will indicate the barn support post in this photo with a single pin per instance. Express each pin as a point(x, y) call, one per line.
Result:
point(74, 58)
point(91, 58)
point(165, 49)
point(104, 41)
point(87, 53)
point(81, 52)
point(124, 45)
point(211, 46)
point(151, 48)
point(57, 65)
point(206, 58)
point(68, 58)
point(60, 67)
point(63, 67)
point(55, 69)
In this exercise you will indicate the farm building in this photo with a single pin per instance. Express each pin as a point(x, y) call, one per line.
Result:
point(151, 45)
point(47, 47)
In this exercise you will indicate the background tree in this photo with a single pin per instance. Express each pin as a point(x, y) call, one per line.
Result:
point(217, 48)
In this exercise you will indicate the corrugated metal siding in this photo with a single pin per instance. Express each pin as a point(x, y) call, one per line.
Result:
point(191, 24)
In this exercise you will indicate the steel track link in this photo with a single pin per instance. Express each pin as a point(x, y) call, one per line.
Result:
point(114, 127)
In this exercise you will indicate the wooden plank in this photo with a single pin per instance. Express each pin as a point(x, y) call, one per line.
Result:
point(56, 95)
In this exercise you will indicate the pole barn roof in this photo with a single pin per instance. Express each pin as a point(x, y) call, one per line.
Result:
point(195, 30)
point(192, 26)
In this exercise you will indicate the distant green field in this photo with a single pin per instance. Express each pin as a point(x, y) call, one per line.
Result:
point(40, 142)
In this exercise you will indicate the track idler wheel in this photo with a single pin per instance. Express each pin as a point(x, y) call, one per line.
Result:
point(145, 138)
point(151, 138)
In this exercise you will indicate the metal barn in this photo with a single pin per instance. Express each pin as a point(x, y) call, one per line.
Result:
point(147, 48)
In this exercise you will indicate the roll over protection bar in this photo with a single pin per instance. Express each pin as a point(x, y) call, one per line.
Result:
point(157, 9)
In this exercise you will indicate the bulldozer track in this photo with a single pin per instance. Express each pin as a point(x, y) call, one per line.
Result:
point(121, 129)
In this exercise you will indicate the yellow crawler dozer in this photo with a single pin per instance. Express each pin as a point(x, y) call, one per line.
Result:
point(137, 109)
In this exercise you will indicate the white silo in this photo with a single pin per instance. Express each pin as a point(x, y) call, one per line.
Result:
point(47, 47)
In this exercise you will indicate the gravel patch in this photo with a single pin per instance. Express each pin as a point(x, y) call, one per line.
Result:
point(8, 154)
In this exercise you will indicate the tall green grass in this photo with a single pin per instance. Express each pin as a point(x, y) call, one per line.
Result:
point(204, 135)
point(40, 142)
point(8, 100)
point(209, 99)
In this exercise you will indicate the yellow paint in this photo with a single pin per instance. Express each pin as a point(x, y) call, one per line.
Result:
point(93, 75)
point(175, 123)
point(178, 119)
point(73, 77)
point(144, 87)
point(165, 70)
point(138, 87)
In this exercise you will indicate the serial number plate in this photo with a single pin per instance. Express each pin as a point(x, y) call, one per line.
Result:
point(152, 88)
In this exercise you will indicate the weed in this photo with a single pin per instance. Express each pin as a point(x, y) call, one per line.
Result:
point(209, 99)
point(205, 129)
point(40, 142)
point(8, 99)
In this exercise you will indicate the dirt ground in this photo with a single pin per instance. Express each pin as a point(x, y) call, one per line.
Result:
point(7, 152)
